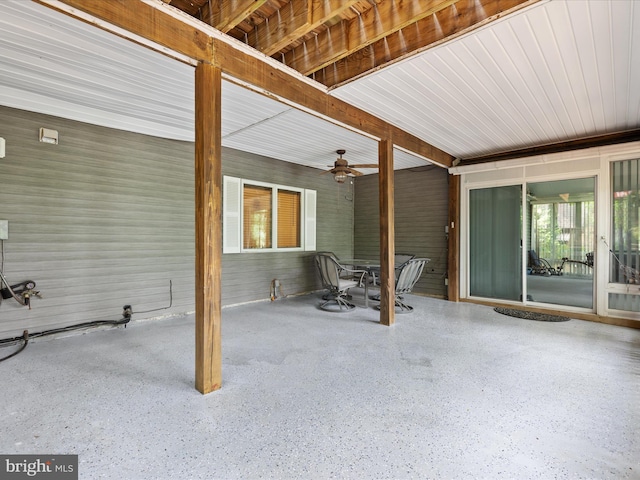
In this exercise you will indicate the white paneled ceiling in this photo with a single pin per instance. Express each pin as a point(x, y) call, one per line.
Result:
point(53, 64)
point(555, 71)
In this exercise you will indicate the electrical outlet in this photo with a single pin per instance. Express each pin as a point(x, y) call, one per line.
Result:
point(4, 229)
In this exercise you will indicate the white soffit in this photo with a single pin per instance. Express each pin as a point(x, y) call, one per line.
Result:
point(297, 137)
point(53, 64)
point(556, 71)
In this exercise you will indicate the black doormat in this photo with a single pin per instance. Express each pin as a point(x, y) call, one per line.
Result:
point(540, 317)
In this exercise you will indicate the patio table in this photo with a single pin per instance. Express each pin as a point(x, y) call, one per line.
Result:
point(362, 264)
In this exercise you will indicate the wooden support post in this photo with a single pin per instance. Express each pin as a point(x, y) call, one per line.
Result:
point(387, 234)
point(453, 268)
point(208, 178)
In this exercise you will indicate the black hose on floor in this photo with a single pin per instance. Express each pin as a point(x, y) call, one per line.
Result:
point(26, 336)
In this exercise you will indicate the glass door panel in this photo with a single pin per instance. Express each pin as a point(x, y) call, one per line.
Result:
point(624, 253)
point(561, 241)
point(495, 256)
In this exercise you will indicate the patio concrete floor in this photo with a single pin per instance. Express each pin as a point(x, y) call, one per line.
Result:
point(451, 391)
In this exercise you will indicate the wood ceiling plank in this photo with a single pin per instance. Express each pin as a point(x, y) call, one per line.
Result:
point(324, 10)
point(372, 25)
point(446, 24)
point(327, 47)
point(388, 17)
point(227, 15)
point(294, 20)
point(280, 29)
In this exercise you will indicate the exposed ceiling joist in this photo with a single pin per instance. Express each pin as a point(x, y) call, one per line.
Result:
point(227, 15)
point(294, 20)
point(376, 23)
point(337, 41)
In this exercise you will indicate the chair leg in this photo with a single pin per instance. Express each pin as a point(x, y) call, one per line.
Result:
point(400, 307)
point(331, 296)
point(343, 305)
point(404, 308)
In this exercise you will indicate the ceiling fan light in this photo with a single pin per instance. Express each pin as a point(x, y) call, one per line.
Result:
point(340, 177)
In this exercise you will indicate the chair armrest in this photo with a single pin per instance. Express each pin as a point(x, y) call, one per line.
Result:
point(355, 273)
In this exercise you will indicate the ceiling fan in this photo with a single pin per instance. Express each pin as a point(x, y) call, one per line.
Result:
point(341, 168)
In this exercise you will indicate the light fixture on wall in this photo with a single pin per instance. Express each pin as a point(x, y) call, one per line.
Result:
point(49, 136)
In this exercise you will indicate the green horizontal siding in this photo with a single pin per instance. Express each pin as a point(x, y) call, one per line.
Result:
point(421, 213)
point(106, 218)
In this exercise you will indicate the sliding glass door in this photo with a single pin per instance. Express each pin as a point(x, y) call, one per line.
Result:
point(561, 242)
point(495, 254)
point(558, 231)
point(559, 238)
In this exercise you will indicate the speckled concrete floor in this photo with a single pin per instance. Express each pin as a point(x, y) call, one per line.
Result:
point(451, 391)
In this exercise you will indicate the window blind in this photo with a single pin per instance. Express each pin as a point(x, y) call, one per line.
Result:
point(257, 215)
point(288, 219)
point(625, 235)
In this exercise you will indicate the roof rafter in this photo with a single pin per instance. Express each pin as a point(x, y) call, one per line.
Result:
point(226, 15)
point(296, 19)
point(385, 18)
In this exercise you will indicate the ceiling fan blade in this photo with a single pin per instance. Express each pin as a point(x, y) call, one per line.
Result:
point(354, 172)
point(364, 165)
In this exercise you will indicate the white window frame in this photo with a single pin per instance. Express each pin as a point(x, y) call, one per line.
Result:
point(233, 221)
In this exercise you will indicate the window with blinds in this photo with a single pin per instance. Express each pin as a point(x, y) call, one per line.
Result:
point(256, 217)
point(263, 216)
point(289, 219)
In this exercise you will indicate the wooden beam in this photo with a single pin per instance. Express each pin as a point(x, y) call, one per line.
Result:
point(453, 256)
point(208, 179)
point(445, 24)
point(293, 21)
point(387, 233)
point(148, 22)
point(322, 11)
point(578, 144)
point(226, 15)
